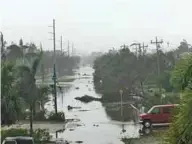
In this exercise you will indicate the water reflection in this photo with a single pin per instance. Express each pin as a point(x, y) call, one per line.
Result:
point(114, 112)
point(59, 131)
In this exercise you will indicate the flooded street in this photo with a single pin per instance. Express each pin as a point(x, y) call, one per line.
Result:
point(96, 123)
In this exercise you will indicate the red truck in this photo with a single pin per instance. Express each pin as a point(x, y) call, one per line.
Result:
point(157, 115)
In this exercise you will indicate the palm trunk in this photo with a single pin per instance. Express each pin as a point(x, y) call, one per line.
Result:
point(34, 109)
point(42, 106)
point(31, 120)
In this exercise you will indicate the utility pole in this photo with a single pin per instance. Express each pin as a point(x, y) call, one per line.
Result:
point(138, 49)
point(121, 95)
point(144, 49)
point(157, 43)
point(54, 68)
point(61, 45)
point(72, 49)
point(42, 67)
point(61, 42)
point(68, 49)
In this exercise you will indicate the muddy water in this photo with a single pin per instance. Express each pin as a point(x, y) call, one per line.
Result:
point(95, 122)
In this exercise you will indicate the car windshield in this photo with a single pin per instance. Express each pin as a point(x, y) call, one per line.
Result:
point(149, 111)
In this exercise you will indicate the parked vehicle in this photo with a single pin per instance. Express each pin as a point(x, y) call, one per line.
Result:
point(18, 140)
point(158, 114)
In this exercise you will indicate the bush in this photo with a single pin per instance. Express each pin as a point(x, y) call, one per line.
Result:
point(39, 135)
point(180, 129)
point(60, 116)
point(13, 133)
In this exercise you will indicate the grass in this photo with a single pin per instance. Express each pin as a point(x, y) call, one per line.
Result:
point(155, 138)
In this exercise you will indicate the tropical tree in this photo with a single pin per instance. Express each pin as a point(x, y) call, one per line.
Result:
point(28, 87)
point(181, 75)
point(21, 42)
point(180, 130)
point(11, 102)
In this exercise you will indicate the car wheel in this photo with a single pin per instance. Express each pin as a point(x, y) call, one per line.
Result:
point(147, 131)
point(147, 123)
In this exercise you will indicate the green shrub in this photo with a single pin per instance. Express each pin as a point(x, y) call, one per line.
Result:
point(181, 128)
point(13, 133)
point(39, 135)
point(60, 116)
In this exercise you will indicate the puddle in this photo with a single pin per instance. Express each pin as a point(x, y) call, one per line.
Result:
point(99, 123)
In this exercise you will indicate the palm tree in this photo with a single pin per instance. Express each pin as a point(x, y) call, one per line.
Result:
point(28, 87)
point(11, 102)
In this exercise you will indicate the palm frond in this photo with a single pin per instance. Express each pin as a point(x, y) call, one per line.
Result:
point(36, 63)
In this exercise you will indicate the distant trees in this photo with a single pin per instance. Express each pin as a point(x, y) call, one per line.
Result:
point(64, 64)
point(181, 75)
point(21, 42)
point(135, 74)
point(21, 63)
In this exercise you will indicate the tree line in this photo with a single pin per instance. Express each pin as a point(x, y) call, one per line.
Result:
point(123, 69)
point(135, 72)
point(20, 64)
point(64, 63)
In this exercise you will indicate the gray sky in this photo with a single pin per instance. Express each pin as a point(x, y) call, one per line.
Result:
point(96, 25)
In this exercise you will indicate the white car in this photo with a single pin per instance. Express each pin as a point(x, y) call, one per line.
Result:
point(18, 140)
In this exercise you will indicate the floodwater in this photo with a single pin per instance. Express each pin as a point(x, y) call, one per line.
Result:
point(96, 123)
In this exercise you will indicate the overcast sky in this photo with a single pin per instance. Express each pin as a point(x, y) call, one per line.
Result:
point(96, 25)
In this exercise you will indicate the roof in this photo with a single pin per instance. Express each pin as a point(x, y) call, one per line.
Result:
point(19, 137)
point(167, 105)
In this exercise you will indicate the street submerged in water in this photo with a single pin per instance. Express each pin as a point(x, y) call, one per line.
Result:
point(88, 123)
point(94, 122)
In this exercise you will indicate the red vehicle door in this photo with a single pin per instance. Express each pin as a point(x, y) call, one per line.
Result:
point(167, 114)
point(156, 115)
